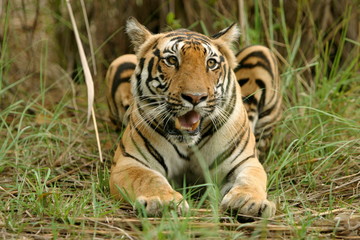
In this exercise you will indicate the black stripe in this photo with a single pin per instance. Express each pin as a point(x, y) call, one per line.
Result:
point(249, 66)
point(118, 79)
point(233, 144)
point(113, 92)
point(149, 79)
point(186, 34)
point(274, 95)
point(231, 105)
point(138, 77)
point(182, 156)
point(266, 66)
point(262, 136)
point(158, 157)
point(221, 85)
point(222, 32)
point(244, 203)
point(153, 124)
point(267, 112)
point(244, 146)
point(250, 100)
point(211, 129)
point(156, 52)
point(126, 154)
point(251, 206)
point(229, 83)
point(261, 210)
point(146, 99)
point(256, 54)
point(156, 127)
point(114, 116)
point(250, 46)
point(231, 172)
point(243, 81)
point(163, 87)
point(261, 85)
point(186, 39)
point(264, 124)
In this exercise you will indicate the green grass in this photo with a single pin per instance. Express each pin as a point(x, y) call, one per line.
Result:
point(52, 184)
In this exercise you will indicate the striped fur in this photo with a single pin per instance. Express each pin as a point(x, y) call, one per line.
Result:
point(118, 93)
point(187, 112)
point(257, 73)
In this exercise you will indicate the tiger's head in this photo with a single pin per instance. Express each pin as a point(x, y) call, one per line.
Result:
point(184, 80)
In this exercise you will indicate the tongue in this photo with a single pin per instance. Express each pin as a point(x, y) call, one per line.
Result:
point(189, 121)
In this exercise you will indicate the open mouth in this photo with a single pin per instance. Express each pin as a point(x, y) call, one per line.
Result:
point(188, 122)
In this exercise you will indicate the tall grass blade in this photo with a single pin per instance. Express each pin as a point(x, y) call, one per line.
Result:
point(88, 78)
point(87, 73)
point(89, 36)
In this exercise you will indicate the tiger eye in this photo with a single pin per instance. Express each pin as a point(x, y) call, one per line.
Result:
point(172, 60)
point(211, 63)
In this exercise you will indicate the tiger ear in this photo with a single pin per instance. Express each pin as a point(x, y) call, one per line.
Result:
point(225, 39)
point(229, 35)
point(137, 32)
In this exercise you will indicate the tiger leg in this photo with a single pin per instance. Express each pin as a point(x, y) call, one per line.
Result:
point(133, 182)
point(118, 94)
point(258, 75)
point(247, 194)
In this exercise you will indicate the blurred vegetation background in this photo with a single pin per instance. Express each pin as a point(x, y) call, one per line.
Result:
point(37, 35)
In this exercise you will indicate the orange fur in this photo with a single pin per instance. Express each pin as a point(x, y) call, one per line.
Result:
point(152, 150)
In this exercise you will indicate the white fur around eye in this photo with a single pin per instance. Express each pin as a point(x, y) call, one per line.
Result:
point(155, 84)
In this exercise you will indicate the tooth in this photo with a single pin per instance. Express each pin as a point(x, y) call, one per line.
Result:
point(195, 125)
point(177, 124)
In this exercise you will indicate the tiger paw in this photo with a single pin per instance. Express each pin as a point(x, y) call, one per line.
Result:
point(154, 205)
point(249, 202)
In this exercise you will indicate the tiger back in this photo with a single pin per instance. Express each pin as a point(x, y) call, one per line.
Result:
point(257, 74)
point(118, 94)
point(188, 112)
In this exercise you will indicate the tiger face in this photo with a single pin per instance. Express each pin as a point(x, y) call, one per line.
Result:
point(182, 91)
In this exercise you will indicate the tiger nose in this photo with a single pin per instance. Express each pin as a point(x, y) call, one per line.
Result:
point(194, 98)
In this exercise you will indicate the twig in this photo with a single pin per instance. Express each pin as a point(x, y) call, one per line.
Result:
point(110, 226)
point(344, 177)
point(97, 134)
point(6, 191)
point(328, 212)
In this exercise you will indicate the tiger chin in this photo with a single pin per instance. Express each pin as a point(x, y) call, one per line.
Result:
point(186, 109)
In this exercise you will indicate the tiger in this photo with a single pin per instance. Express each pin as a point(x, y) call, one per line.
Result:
point(118, 94)
point(194, 108)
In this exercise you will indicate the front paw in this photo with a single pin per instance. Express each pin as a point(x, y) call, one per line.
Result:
point(154, 204)
point(247, 201)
